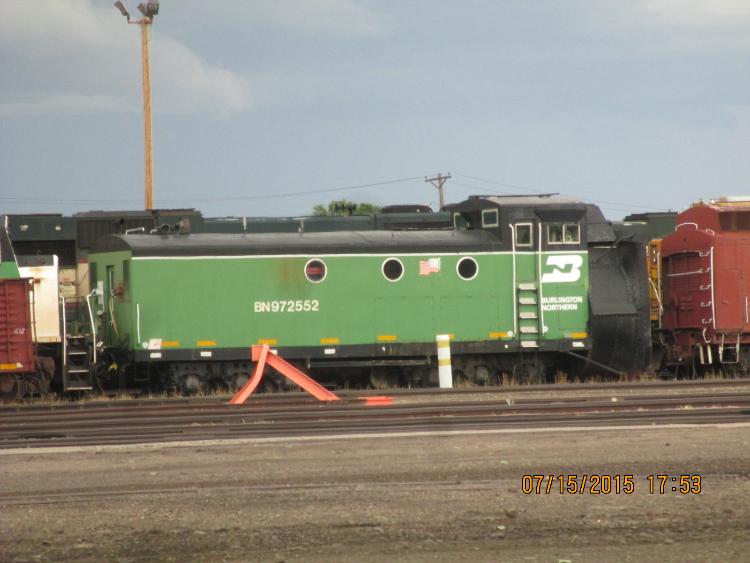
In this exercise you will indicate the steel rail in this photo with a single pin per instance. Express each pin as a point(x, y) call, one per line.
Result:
point(314, 408)
point(300, 397)
point(217, 420)
point(429, 391)
point(156, 435)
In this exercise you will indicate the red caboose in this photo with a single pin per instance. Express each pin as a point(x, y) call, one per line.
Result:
point(705, 287)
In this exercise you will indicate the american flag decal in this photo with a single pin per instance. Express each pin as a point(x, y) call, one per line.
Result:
point(427, 267)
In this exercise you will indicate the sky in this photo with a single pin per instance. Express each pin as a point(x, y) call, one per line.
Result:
point(268, 107)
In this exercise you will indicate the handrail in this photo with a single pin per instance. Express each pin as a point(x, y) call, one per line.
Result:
point(64, 334)
point(515, 289)
point(713, 296)
point(687, 223)
point(658, 280)
point(691, 273)
point(138, 322)
point(658, 297)
point(539, 281)
point(93, 324)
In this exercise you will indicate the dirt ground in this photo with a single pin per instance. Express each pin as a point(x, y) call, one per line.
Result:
point(392, 498)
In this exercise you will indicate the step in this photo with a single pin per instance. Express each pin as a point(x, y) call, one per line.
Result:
point(529, 330)
point(529, 344)
point(78, 388)
point(76, 336)
point(528, 315)
point(76, 370)
point(527, 300)
point(77, 353)
point(527, 286)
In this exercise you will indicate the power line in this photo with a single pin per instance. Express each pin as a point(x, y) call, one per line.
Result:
point(625, 206)
point(308, 192)
point(503, 184)
point(19, 199)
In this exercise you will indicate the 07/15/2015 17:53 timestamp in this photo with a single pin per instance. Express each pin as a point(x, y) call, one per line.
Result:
point(605, 484)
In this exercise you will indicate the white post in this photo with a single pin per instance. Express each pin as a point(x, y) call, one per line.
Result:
point(445, 372)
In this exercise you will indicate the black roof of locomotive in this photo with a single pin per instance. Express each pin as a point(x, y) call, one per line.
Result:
point(545, 207)
point(341, 242)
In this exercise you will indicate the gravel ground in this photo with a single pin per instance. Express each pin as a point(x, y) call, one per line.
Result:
point(409, 498)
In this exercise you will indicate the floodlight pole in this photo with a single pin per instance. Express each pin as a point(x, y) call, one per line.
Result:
point(149, 10)
point(147, 133)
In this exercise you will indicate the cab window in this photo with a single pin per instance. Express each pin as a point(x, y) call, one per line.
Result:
point(459, 221)
point(564, 233)
point(490, 218)
point(524, 235)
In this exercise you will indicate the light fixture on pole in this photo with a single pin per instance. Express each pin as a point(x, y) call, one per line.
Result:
point(149, 10)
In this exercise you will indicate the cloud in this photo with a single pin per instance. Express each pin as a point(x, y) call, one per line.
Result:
point(697, 14)
point(74, 56)
point(337, 18)
point(685, 25)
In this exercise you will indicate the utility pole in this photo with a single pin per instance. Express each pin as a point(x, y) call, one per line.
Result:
point(149, 10)
point(438, 181)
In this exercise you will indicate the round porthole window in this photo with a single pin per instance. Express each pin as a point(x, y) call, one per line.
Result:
point(315, 270)
point(393, 269)
point(467, 268)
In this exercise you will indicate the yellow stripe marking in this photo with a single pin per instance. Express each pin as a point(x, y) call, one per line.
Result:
point(577, 334)
point(269, 341)
point(444, 362)
point(331, 340)
point(387, 337)
point(170, 343)
point(9, 366)
point(205, 343)
point(498, 335)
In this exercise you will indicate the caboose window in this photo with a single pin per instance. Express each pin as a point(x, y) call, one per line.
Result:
point(490, 218)
point(524, 235)
point(315, 270)
point(467, 268)
point(564, 233)
point(393, 269)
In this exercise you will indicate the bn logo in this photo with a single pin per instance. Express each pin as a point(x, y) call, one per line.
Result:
point(565, 268)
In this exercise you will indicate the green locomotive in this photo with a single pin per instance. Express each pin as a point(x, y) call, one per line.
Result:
point(510, 284)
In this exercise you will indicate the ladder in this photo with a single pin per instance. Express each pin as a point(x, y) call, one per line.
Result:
point(528, 319)
point(76, 355)
point(729, 352)
point(528, 303)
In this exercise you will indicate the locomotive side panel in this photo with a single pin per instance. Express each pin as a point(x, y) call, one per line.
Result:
point(732, 258)
point(242, 301)
point(309, 305)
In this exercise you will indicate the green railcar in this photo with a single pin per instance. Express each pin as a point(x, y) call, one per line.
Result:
point(511, 288)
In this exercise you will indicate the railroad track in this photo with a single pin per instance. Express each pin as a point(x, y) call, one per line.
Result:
point(280, 415)
point(296, 397)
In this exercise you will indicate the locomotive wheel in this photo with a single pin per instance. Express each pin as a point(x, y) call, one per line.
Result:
point(11, 388)
point(482, 375)
point(238, 380)
point(384, 378)
point(190, 384)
